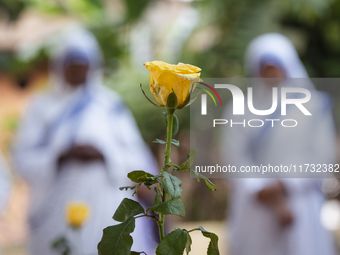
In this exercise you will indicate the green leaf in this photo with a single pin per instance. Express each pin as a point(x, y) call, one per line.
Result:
point(172, 102)
point(172, 206)
point(131, 187)
point(172, 185)
point(157, 197)
point(174, 243)
point(185, 166)
point(128, 187)
point(188, 244)
point(127, 208)
point(213, 245)
point(190, 160)
point(62, 246)
point(116, 239)
point(175, 142)
point(158, 105)
point(175, 123)
point(142, 176)
point(159, 141)
point(173, 165)
point(193, 98)
point(208, 183)
point(137, 253)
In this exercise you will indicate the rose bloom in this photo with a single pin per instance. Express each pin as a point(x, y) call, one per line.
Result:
point(181, 78)
point(77, 213)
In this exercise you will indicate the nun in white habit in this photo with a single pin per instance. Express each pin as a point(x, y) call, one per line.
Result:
point(279, 216)
point(77, 143)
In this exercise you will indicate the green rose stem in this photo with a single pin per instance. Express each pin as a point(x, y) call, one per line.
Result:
point(167, 161)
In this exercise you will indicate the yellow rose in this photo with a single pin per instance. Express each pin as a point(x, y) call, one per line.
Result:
point(165, 78)
point(77, 213)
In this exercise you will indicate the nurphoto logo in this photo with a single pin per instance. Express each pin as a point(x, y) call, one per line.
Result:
point(301, 97)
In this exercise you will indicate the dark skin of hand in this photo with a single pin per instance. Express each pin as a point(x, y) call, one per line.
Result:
point(83, 153)
point(75, 75)
point(275, 197)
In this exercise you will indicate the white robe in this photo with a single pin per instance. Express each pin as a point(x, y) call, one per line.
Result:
point(56, 121)
point(106, 125)
point(253, 227)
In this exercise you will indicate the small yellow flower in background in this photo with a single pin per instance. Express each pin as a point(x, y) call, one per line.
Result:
point(165, 78)
point(77, 213)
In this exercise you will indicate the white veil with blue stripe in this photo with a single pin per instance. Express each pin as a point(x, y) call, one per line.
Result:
point(280, 48)
point(81, 41)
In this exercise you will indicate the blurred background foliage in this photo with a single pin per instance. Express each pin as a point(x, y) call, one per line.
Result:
point(216, 43)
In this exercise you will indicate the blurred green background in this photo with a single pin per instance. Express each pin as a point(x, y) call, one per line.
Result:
point(211, 34)
point(216, 42)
